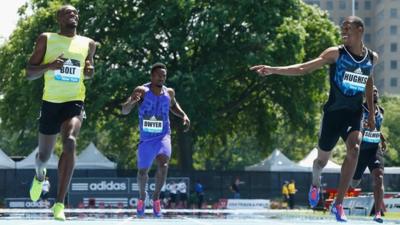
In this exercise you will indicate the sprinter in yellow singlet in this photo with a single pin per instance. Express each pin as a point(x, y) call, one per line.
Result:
point(65, 59)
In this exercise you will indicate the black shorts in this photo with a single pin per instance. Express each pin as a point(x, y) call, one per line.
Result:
point(371, 158)
point(52, 115)
point(173, 197)
point(44, 195)
point(183, 197)
point(162, 194)
point(335, 124)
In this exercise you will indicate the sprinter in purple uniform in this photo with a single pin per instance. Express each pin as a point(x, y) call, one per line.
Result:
point(155, 101)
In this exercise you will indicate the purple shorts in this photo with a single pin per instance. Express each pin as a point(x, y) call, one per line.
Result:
point(149, 150)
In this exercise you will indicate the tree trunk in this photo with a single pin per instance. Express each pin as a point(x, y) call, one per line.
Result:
point(185, 148)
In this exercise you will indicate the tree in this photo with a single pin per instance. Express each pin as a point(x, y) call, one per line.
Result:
point(208, 47)
point(391, 129)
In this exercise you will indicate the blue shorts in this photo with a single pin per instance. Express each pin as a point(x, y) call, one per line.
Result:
point(149, 150)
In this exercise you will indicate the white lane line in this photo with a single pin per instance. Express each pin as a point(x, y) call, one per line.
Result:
point(36, 222)
point(125, 221)
point(194, 220)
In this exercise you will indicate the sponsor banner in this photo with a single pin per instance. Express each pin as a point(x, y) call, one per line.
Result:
point(392, 204)
point(99, 185)
point(98, 200)
point(363, 205)
point(119, 192)
point(174, 184)
point(106, 201)
point(358, 205)
point(27, 203)
point(248, 204)
point(125, 185)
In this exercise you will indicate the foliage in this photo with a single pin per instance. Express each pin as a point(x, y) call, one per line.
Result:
point(208, 47)
point(391, 129)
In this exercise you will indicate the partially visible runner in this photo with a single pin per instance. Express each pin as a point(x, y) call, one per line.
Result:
point(235, 188)
point(155, 102)
point(292, 192)
point(182, 189)
point(65, 59)
point(351, 67)
point(373, 146)
point(285, 194)
point(199, 189)
point(173, 195)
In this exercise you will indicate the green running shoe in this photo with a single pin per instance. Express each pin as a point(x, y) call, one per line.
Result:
point(58, 211)
point(36, 188)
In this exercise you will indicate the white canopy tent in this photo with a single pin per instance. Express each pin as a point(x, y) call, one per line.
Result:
point(5, 161)
point(309, 160)
point(277, 162)
point(392, 170)
point(92, 158)
point(29, 161)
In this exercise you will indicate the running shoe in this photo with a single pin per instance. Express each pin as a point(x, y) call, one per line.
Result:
point(58, 211)
point(157, 208)
point(378, 217)
point(313, 196)
point(337, 209)
point(36, 188)
point(140, 208)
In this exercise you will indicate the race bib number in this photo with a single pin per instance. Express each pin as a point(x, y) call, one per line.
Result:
point(152, 125)
point(355, 81)
point(372, 136)
point(70, 72)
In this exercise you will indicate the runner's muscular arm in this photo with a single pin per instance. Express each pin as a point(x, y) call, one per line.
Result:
point(177, 110)
point(328, 56)
point(369, 95)
point(130, 103)
point(34, 68)
point(89, 62)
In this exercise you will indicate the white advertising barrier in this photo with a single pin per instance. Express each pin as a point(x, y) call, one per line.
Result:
point(392, 204)
point(27, 203)
point(361, 206)
point(248, 204)
point(114, 191)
